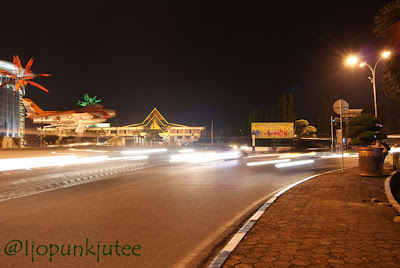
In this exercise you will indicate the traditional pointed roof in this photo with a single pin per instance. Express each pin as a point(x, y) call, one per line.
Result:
point(155, 120)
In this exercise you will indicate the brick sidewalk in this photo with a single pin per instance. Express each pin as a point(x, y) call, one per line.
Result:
point(328, 221)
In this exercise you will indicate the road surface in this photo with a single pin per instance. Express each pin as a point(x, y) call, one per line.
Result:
point(174, 214)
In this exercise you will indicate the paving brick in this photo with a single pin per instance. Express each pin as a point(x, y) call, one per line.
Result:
point(302, 262)
point(328, 221)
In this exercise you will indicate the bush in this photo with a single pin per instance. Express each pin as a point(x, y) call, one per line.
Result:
point(363, 130)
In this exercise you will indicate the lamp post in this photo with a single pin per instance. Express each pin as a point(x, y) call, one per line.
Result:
point(353, 60)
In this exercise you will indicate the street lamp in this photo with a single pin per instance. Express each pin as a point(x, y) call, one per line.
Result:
point(352, 60)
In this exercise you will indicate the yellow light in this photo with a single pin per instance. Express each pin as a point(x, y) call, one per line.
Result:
point(385, 54)
point(362, 64)
point(351, 60)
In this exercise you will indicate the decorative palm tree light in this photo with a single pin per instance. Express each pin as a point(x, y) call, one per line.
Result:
point(19, 78)
point(88, 101)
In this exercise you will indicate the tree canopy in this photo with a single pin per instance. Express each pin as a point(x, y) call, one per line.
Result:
point(304, 129)
point(387, 25)
point(364, 129)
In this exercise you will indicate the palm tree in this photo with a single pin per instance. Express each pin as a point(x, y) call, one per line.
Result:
point(387, 24)
point(21, 79)
point(22, 76)
point(88, 101)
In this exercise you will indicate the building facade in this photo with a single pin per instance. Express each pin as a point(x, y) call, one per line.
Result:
point(11, 124)
point(155, 129)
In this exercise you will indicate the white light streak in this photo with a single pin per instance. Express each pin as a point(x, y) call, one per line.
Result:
point(35, 162)
point(339, 155)
point(295, 155)
point(264, 155)
point(134, 157)
point(87, 150)
point(149, 151)
point(203, 157)
point(184, 151)
point(52, 161)
point(294, 163)
point(259, 163)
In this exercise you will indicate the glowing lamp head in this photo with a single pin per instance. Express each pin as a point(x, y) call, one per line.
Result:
point(362, 64)
point(351, 60)
point(385, 54)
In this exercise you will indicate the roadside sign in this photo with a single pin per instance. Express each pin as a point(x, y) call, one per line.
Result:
point(276, 130)
point(344, 105)
point(340, 107)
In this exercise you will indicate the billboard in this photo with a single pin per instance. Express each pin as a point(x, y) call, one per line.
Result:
point(272, 130)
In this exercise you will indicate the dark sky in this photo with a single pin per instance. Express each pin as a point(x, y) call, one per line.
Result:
point(196, 61)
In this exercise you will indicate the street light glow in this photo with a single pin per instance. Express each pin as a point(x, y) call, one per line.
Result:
point(351, 60)
point(385, 54)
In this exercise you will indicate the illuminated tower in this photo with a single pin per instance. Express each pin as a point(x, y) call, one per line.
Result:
point(12, 113)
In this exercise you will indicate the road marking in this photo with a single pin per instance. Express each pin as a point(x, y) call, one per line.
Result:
point(70, 180)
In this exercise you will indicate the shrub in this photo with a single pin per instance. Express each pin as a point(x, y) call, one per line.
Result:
point(364, 129)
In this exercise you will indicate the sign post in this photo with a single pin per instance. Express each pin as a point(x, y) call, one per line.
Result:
point(341, 106)
point(253, 142)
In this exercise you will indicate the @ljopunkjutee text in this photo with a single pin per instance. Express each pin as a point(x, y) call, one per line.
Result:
point(33, 250)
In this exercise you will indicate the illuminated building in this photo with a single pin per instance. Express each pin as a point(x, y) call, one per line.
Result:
point(11, 123)
point(154, 129)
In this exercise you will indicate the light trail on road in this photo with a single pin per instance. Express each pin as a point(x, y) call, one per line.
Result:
point(177, 211)
point(40, 162)
point(204, 157)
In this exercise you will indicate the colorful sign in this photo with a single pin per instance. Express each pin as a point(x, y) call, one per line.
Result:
point(272, 130)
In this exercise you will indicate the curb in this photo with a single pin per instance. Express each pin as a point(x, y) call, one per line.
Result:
point(232, 244)
point(388, 191)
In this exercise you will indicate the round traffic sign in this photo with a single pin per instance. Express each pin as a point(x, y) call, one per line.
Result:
point(343, 103)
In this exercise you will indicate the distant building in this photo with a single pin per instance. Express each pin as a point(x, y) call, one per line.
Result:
point(154, 129)
point(10, 106)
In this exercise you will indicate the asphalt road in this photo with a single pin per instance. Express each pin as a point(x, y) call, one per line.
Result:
point(178, 213)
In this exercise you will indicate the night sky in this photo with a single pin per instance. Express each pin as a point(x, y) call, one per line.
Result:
point(196, 61)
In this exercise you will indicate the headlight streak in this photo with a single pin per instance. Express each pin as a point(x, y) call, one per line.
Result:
point(295, 155)
point(203, 157)
point(259, 163)
point(294, 163)
point(52, 161)
point(149, 151)
point(86, 150)
point(185, 151)
point(135, 157)
point(264, 155)
point(62, 153)
point(34, 162)
point(339, 155)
